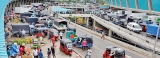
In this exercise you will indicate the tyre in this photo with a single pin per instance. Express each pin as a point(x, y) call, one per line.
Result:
point(74, 45)
point(70, 55)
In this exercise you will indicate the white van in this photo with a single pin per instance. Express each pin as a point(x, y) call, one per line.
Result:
point(44, 20)
point(134, 27)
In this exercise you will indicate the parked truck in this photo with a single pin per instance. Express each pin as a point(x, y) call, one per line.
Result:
point(21, 9)
point(152, 30)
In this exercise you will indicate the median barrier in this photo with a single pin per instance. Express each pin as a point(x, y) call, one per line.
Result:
point(147, 54)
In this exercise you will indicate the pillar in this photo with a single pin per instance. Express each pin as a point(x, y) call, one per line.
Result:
point(121, 3)
point(94, 25)
point(87, 21)
point(110, 33)
point(149, 5)
point(127, 4)
point(136, 3)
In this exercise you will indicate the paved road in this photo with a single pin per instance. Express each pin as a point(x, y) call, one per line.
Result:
point(99, 47)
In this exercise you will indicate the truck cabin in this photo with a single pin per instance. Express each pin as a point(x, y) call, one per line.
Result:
point(31, 20)
point(44, 20)
point(119, 53)
point(26, 14)
point(60, 22)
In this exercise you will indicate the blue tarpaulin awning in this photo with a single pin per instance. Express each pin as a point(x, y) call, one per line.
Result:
point(60, 9)
point(102, 7)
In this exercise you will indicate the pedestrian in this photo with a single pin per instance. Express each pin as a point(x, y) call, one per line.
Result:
point(8, 51)
point(53, 40)
point(103, 34)
point(23, 33)
point(61, 34)
point(35, 53)
point(49, 53)
point(69, 21)
point(53, 52)
point(88, 53)
point(20, 50)
point(84, 44)
point(40, 54)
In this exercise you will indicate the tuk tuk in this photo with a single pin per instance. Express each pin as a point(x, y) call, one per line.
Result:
point(53, 34)
point(114, 52)
point(66, 46)
point(71, 29)
point(79, 40)
point(71, 35)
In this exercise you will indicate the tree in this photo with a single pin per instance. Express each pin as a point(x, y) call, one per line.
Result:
point(102, 2)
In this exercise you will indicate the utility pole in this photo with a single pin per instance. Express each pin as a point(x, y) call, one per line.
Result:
point(153, 54)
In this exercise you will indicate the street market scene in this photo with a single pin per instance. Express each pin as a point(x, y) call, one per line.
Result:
point(80, 29)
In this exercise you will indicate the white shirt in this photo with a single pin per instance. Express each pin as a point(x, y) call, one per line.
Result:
point(35, 52)
point(89, 51)
point(23, 32)
point(61, 34)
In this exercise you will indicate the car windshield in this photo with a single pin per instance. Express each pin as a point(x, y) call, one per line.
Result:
point(137, 26)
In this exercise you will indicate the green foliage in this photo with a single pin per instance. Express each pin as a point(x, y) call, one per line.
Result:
point(19, 41)
point(35, 46)
point(72, 18)
point(102, 2)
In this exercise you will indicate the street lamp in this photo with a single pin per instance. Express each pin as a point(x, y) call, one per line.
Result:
point(157, 20)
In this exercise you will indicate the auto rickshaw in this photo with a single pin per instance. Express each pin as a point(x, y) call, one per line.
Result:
point(54, 35)
point(114, 52)
point(66, 46)
point(71, 35)
point(78, 42)
point(39, 34)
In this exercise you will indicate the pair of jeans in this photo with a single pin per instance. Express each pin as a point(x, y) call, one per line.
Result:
point(60, 37)
point(53, 54)
point(88, 56)
point(36, 56)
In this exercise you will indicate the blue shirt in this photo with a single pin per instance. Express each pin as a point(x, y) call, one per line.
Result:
point(40, 54)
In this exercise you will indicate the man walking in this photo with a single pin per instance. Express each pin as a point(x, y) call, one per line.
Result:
point(53, 52)
point(69, 21)
point(88, 53)
point(23, 33)
point(40, 54)
point(103, 35)
point(61, 34)
point(35, 53)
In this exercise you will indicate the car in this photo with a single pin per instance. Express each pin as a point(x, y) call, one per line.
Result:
point(44, 20)
point(134, 27)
